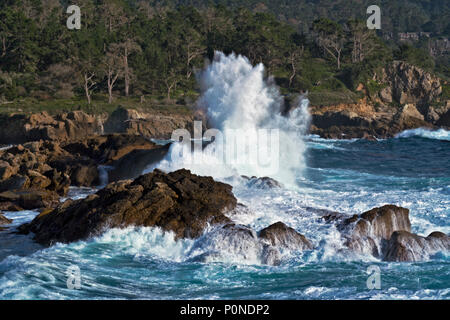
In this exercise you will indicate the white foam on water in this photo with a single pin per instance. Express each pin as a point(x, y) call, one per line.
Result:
point(440, 134)
point(6, 147)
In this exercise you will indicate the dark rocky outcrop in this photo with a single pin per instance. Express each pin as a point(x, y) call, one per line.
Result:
point(444, 120)
point(345, 124)
point(179, 201)
point(75, 125)
point(406, 246)
point(134, 163)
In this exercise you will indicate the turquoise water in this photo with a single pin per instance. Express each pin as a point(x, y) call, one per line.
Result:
point(412, 170)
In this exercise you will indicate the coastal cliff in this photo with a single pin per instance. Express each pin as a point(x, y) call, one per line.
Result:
point(400, 97)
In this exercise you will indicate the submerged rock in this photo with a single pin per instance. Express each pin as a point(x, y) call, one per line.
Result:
point(230, 242)
point(238, 243)
point(262, 183)
point(406, 246)
point(178, 201)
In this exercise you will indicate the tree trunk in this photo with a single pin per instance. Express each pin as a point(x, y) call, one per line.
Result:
point(127, 73)
point(339, 59)
point(3, 46)
point(110, 87)
point(109, 93)
point(111, 82)
point(86, 88)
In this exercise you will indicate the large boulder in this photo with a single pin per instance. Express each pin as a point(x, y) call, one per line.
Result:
point(385, 233)
point(179, 201)
point(281, 236)
point(366, 233)
point(406, 246)
point(108, 148)
point(230, 242)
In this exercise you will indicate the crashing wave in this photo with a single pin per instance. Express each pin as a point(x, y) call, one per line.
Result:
point(440, 134)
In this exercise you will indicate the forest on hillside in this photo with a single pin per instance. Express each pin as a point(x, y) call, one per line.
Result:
point(154, 48)
point(398, 15)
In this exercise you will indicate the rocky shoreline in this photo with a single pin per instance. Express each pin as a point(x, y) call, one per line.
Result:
point(406, 97)
point(188, 205)
point(45, 155)
point(180, 202)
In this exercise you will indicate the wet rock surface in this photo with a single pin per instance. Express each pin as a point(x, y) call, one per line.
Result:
point(237, 242)
point(406, 246)
point(4, 220)
point(385, 232)
point(281, 236)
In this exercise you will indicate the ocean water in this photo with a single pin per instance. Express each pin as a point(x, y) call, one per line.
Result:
point(411, 170)
point(349, 176)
